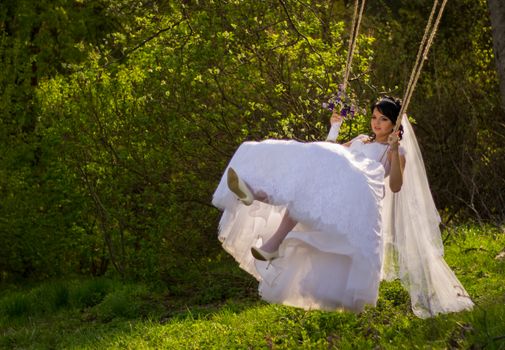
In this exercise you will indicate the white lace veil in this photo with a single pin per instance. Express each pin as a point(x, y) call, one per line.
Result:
point(413, 249)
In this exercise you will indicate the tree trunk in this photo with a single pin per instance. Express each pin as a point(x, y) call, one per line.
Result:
point(497, 14)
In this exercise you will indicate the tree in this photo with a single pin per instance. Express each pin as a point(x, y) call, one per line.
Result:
point(497, 14)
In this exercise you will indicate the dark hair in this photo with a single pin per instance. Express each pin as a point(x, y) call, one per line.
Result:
point(390, 107)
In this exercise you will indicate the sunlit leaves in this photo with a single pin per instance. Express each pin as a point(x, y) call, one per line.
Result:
point(122, 115)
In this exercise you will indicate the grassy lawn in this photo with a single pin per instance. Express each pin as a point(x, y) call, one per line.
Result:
point(216, 307)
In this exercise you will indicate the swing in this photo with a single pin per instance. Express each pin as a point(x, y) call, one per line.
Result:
point(333, 258)
point(413, 249)
point(422, 55)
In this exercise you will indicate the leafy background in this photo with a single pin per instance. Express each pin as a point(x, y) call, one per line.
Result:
point(118, 118)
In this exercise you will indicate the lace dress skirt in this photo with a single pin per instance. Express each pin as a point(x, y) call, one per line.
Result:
point(332, 258)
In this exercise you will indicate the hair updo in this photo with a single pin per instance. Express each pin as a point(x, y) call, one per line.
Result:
point(390, 107)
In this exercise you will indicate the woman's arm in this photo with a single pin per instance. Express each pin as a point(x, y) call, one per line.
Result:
point(336, 122)
point(397, 162)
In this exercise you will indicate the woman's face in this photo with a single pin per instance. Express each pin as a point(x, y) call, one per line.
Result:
point(381, 125)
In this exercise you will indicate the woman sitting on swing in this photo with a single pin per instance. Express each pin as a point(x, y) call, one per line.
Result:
point(308, 225)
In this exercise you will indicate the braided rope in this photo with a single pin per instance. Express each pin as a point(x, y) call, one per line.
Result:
point(356, 23)
point(420, 50)
point(422, 55)
point(351, 39)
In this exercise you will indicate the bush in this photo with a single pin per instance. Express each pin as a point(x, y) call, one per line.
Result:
point(91, 292)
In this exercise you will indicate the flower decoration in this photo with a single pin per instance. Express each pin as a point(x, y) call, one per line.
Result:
point(342, 102)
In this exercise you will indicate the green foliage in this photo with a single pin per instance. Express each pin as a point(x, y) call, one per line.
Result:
point(97, 298)
point(15, 306)
point(92, 292)
point(117, 118)
point(42, 227)
point(133, 137)
point(127, 302)
point(61, 295)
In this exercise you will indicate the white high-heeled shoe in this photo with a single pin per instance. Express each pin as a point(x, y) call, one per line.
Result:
point(262, 255)
point(237, 186)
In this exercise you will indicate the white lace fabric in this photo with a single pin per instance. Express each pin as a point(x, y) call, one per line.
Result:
point(374, 150)
point(333, 259)
point(330, 260)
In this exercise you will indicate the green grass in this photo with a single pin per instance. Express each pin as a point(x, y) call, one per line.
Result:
point(216, 307)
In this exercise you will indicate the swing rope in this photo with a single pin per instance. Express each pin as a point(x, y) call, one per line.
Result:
point(422, 55)
point(356, 22)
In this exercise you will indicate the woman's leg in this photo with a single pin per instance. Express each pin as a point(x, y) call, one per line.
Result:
point(247, 194)
point(287, 224)
point(243, 190)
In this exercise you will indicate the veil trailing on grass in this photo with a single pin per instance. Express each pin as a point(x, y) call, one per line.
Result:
point(412, 240)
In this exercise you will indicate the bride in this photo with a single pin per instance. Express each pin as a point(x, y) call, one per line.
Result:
point(320, 224)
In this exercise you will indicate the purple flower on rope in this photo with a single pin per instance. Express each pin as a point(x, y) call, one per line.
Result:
point(352, 111)
point(342, 102)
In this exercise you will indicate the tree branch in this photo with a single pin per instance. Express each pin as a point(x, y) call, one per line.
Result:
point(293, 26)
point(143, 42)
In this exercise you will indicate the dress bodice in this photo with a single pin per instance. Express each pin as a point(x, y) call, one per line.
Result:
point(373, 150)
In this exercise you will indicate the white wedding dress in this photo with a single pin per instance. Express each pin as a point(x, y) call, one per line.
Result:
point(333, 258)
